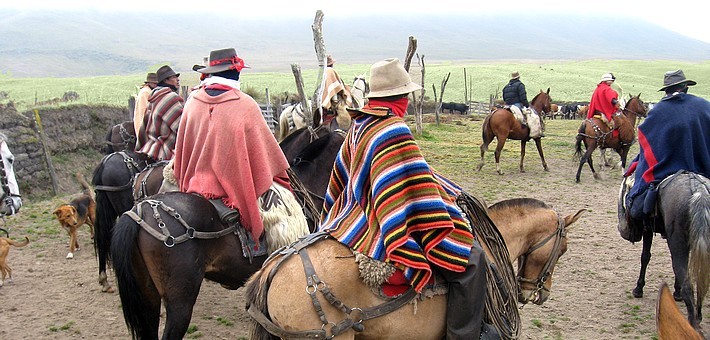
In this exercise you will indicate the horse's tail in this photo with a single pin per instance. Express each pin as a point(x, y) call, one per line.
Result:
point(257, 289)
point(699, 239)
point(105, 219)
point(133, 301)
point(578, 143)
point(486, 130)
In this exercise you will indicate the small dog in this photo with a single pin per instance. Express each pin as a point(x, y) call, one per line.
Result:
point(80, 211)
point(5, 243)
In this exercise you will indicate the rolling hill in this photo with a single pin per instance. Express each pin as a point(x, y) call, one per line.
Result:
point(93, 43)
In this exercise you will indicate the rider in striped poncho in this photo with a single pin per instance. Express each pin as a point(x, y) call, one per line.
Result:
point(385, 201)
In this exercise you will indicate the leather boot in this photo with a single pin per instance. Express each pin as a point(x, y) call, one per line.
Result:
point(466, 300)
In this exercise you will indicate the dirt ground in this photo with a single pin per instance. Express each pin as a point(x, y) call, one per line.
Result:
point(56, 298)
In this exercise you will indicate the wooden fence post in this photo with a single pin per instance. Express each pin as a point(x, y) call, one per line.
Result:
point(47, 156)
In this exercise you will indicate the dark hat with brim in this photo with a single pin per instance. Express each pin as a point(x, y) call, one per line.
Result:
point(165, 72)
point(197, 67)
point(151, 78)
point(677, 77)
point(223, 60)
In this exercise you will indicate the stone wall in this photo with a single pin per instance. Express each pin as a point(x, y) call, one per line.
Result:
point(74, 134)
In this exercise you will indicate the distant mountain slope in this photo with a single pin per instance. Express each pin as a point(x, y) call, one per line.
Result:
point(91, 43)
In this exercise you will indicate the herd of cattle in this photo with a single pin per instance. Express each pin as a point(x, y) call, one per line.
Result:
point(566, 111)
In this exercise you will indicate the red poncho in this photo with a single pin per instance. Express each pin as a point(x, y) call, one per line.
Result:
point(601, 101)
point(226, 150)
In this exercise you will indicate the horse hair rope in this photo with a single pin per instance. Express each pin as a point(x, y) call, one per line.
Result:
point(501, 299)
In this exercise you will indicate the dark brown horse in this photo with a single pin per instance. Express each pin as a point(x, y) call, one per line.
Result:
point(151, 266)
point(596, 134)
point(120, 137)
point(502, 125)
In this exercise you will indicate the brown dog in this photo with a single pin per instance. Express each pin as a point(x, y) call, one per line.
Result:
point(5, 243)
point(80, 211)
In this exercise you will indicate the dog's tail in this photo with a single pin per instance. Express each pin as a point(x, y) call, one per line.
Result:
point(84, 184)
point(19, 244)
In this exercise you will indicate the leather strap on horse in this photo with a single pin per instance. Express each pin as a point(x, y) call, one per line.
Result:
point(545, 273)
point(132, 166)
point(313, 285)
point(164, 234)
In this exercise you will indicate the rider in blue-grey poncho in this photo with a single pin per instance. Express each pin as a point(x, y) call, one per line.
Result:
point(673, 137)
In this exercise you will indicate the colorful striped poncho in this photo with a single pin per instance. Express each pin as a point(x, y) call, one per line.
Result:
point(384, 200)
point(157, 135)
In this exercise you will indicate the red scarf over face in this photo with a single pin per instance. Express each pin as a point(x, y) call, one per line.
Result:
point(398, 107)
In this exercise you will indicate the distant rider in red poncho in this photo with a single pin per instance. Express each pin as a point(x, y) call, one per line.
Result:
point(605, 101)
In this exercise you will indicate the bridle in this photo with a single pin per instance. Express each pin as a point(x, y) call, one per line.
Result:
point(126, 137)
point(546, 271)
point(638, 114)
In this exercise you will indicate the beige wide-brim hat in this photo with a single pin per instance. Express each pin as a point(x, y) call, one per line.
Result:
point(515, 75)
point(389, 78)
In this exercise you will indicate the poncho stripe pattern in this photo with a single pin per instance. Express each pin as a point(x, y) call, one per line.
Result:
point(384, 200)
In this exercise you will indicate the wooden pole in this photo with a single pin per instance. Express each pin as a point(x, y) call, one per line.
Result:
point(465, 88)
point(47, 156)
point(411, 50)
point(319, 45)
point(301, 93)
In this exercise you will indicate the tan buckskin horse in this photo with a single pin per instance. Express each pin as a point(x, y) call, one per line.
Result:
point(595, 133)
point(670, 322)
point(281, 304)
point(502, 125)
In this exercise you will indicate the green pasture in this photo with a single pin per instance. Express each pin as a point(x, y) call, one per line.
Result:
point(568, 81)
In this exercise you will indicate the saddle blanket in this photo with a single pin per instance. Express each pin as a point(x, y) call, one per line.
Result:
point(533, 120)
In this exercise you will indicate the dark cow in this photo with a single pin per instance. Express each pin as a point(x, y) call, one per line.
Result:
point(451, 106)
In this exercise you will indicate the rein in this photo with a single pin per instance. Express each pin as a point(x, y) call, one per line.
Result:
point(126, 137)
point(545, 273)
point(164, 234)
point(314, 284)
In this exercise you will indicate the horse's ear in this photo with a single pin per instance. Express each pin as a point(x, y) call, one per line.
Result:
point(569, 219)
point(639, 96)
point(548, 90)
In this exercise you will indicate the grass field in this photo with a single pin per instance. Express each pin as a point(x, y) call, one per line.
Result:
point(568, 81)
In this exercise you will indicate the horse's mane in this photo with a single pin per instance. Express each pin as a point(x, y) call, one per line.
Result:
point(3, 137)
point(291, 136)
point(518, 202)
point(311, 151)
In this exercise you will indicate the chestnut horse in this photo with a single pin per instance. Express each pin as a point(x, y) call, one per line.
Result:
point(595, 133)
point(534, 233)
point(502, 125)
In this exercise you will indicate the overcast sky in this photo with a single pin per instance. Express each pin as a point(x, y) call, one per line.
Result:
point(685, 17)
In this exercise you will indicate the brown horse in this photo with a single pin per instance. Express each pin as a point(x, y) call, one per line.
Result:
point(595, 133)
point(502, 125)
point(534, 233)
point(151, 266)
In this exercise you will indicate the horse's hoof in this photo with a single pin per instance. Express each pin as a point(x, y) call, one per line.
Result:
point(522, 171)
point(479, 167)
point(596, 176)
point(70, 256)
point(108, 289)
point(637, 293)
point(547, 169)
point(677, 296)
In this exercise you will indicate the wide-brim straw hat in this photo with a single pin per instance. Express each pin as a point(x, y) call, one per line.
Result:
point(223, 60)
point(389, 78)
point(514, 75)
point(672, 78)
point(165, 72)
